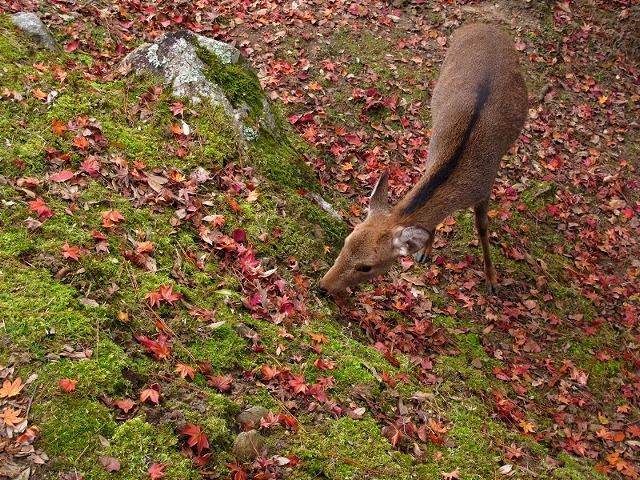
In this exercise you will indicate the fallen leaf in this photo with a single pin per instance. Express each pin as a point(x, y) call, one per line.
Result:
point(110, 464)
point(156, 471)
point(185, 371)
point(67, 385)
point(62, 176)
point(197, 438)
point(10, 417)
point(11, 389)
point(125, 404)
point(150, 394)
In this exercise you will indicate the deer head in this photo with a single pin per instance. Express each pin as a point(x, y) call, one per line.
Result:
point(372, 247)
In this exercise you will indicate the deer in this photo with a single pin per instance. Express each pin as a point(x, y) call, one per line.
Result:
point(478, 108)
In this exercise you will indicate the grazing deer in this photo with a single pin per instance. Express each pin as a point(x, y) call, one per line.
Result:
point(479, 106)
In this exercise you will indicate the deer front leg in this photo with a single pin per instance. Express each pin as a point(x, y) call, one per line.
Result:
point(482, 225)
point(423, 254)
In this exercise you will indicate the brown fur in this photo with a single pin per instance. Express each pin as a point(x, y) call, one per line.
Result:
point(478, 108)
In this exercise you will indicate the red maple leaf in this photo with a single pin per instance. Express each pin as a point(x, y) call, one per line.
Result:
point(222, 383)
point(298, 384)
point(289, 422)
point(324, 364)
point(71, 46)
point(70, 252)
point(156, 471)
point(38, 206)
point(352, 139)
point(67, 385)
point(154, 298)
point(177, 108)
point(197, 438)
point(166, 292)
point(90, 166)
point(62, 176)
point(161, 348)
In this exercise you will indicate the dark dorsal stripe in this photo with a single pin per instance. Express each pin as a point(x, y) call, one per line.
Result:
point(441, 176)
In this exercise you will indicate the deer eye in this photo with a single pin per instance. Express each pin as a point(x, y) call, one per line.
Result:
point(364, 268)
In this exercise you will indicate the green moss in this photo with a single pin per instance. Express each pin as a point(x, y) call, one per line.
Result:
point(70, 427)
point(280, 163)
point(219, 138)
point(14, 45)
point(224, 349)
point(356, 363)
point(239, 84)
point(101, 373)
point(347, 448)
point(460, 366)
point(34, 307)
point(602, 373)
point(221, 412)
point(575, 469)
point(304, 228)
point(137, 445)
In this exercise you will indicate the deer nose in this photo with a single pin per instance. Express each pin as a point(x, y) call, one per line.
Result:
point(322, 291)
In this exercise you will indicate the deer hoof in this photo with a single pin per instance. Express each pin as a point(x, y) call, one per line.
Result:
point(492, 289)
point(420, 256)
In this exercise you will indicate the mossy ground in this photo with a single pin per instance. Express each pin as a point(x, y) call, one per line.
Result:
point(43, 312)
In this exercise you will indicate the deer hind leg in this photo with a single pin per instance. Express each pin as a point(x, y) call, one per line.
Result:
point(482, 225)
point(423, 254)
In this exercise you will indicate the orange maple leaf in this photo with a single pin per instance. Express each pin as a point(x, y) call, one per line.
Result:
point(111, 218)
point(318, 338)
point(10, 417)
point(81, 142)
point(125, 404)
point(11, 389)
point(185, 371)
point(59, 127)
point(39, 94)
point(70, 252)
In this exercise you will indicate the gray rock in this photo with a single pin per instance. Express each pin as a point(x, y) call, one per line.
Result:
point(248, 445)
point(174, 57)
point(252, 415)
point(32, 25)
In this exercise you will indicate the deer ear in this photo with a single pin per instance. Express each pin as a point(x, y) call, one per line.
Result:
point(408, 240)
point(378, 201)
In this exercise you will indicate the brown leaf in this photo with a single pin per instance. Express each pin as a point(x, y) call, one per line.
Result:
point(110, 464)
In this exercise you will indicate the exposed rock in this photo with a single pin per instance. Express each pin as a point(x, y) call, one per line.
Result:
point(324, 205)
point(206, 70)
point(248, 445)
point(31, 24)
point(246, 332)
point(252, 416)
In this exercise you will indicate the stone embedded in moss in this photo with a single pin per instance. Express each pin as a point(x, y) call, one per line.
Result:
point(33, 26)
point(207, 71)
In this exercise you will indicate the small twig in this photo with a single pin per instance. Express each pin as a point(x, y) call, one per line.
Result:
point(33, 395)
